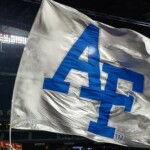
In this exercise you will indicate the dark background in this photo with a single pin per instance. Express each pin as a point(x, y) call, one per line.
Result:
point(133, 14)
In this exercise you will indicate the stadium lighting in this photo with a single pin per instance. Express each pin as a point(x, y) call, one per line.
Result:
point(13, 39)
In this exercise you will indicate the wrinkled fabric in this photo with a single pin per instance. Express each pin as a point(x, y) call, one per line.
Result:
point(55, 30)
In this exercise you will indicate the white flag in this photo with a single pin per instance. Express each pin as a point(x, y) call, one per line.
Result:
point(82, 77)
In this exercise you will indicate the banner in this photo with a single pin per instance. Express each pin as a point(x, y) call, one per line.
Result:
point(4, 145)
point(81, 77)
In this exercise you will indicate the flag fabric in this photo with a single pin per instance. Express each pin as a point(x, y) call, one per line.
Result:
point(81, 77)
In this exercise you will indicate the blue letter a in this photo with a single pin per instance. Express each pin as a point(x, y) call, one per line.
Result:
point(89, 38)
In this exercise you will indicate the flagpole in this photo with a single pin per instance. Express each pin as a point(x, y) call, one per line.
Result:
point(10, 138)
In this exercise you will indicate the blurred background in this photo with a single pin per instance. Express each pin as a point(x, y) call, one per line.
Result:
point(16, 19)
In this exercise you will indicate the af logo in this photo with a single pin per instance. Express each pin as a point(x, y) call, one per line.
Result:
point(108, 97)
